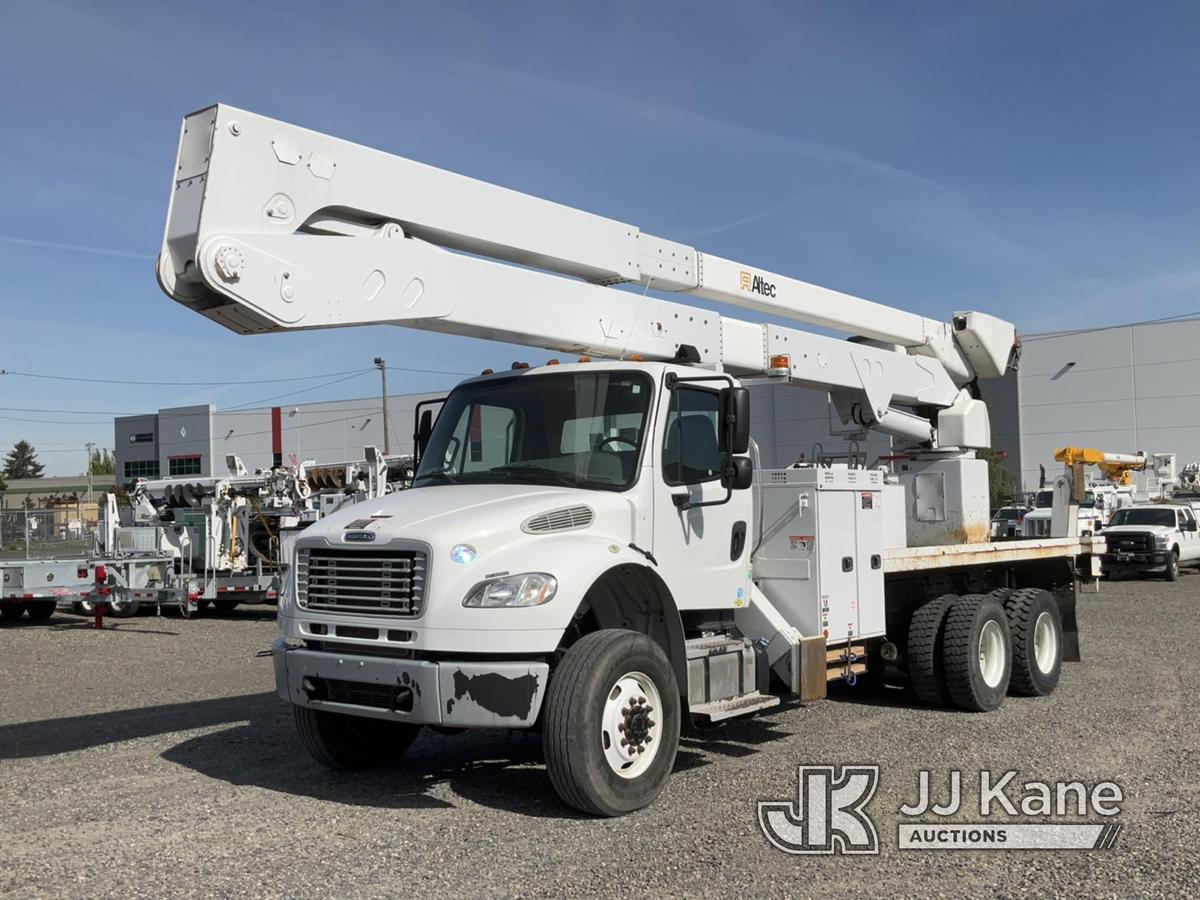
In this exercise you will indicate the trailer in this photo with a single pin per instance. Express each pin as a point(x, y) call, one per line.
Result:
point(35, 587)
point(588, 548)
point(221, 535)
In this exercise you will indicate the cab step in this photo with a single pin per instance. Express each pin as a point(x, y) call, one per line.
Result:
point(719, 710)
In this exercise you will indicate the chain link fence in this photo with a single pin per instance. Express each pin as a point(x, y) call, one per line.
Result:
point(60, 530)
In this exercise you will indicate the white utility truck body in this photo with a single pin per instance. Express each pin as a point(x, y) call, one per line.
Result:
point(587, 547)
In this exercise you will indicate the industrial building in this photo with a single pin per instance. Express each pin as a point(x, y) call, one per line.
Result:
point(194, 440)
point(1123, 388)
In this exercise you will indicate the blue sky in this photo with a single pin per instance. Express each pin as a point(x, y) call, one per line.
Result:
point(1034, 160)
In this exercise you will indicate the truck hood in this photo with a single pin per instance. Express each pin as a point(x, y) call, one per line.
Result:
point(458, 511)
point(1137, 529)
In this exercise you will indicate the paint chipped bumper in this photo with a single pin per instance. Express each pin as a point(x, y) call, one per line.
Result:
point(453, 694)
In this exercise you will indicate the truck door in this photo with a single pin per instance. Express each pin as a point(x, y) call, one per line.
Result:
point(703, 552)
point(1189, 539)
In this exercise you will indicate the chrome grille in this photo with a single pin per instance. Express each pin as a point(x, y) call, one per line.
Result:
point(383, 582)
point(565, 519)
point(1131, 543)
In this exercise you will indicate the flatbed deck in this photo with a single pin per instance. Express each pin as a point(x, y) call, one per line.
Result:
point(918, 559)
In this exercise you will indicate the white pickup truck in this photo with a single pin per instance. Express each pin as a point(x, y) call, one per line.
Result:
point(1152, 538)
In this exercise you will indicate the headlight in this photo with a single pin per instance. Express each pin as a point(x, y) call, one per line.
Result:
point(529, 589)
point(1160, 541)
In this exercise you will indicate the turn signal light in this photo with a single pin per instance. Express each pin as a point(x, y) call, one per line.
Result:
point(583, 359)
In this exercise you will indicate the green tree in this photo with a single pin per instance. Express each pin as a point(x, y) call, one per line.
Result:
point(102, 463)
point(21, 461)
point(1003, 485)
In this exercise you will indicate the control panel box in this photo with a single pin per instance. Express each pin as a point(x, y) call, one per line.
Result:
point(820, 560)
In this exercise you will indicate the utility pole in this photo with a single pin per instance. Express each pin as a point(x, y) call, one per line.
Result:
point(381, 365)
point(91, 446)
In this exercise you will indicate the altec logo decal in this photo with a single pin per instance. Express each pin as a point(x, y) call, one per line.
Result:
point(756, 284)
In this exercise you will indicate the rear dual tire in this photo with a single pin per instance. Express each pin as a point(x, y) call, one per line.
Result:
point(977, 653)
point(1037, 642)
point(958, 652)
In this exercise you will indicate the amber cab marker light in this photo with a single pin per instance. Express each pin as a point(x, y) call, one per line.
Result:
point(780, 364)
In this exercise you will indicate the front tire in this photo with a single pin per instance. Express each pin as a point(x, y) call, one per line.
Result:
point(977, 653)
point(1037, 642)
point(1172, 571)
point(612, 718)
point(351, 743)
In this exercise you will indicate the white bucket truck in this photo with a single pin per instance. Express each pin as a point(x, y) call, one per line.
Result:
point(587, 548)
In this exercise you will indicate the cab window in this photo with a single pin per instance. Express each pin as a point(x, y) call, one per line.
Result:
point(691, 454)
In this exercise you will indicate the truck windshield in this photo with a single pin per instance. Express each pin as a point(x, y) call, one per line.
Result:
point(579, 429)
point(1008, 514)
point(1145, 517)
point(1045, 499)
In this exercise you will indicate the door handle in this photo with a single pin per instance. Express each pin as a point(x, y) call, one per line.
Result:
point(737, 541)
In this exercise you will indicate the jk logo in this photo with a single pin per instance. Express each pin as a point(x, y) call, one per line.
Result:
point(828, 815)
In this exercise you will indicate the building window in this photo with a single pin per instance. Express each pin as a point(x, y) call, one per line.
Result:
point(142, 437)
point(144, 468)
point(183, 465)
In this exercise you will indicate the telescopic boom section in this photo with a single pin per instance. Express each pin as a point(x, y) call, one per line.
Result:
point(273, 227)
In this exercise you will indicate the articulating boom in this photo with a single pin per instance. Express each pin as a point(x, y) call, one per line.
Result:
point(273, 227)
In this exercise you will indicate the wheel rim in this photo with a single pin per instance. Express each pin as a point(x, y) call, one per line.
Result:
point(992, 653)
point(1045, 643)
point(631, 726)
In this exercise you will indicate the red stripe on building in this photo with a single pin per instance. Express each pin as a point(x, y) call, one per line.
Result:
point(277, 435)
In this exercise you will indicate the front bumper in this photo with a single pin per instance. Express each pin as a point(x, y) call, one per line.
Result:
point(1134, 561)
point(452, 694)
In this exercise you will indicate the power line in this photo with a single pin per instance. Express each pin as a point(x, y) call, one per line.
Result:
point(314, 387)
point(55, 421)
point(80, 412)
point(47, 376)
point(1029, 339)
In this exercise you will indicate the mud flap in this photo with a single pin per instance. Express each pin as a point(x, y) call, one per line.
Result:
point(1070, 626)
point(813, 683)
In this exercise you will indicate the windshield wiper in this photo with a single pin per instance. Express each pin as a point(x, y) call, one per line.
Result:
point(537, 471)
point(437, 473)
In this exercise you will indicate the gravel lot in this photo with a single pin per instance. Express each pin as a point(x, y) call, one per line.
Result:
point(152, 759)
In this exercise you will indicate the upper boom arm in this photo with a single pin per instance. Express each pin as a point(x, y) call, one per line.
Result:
point(274, 227)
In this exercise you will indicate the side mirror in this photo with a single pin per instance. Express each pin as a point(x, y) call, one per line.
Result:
point(734, 435)
point(737, 473)
point(424, 431)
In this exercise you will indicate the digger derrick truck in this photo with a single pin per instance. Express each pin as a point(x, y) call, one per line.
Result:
point(588, 548)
